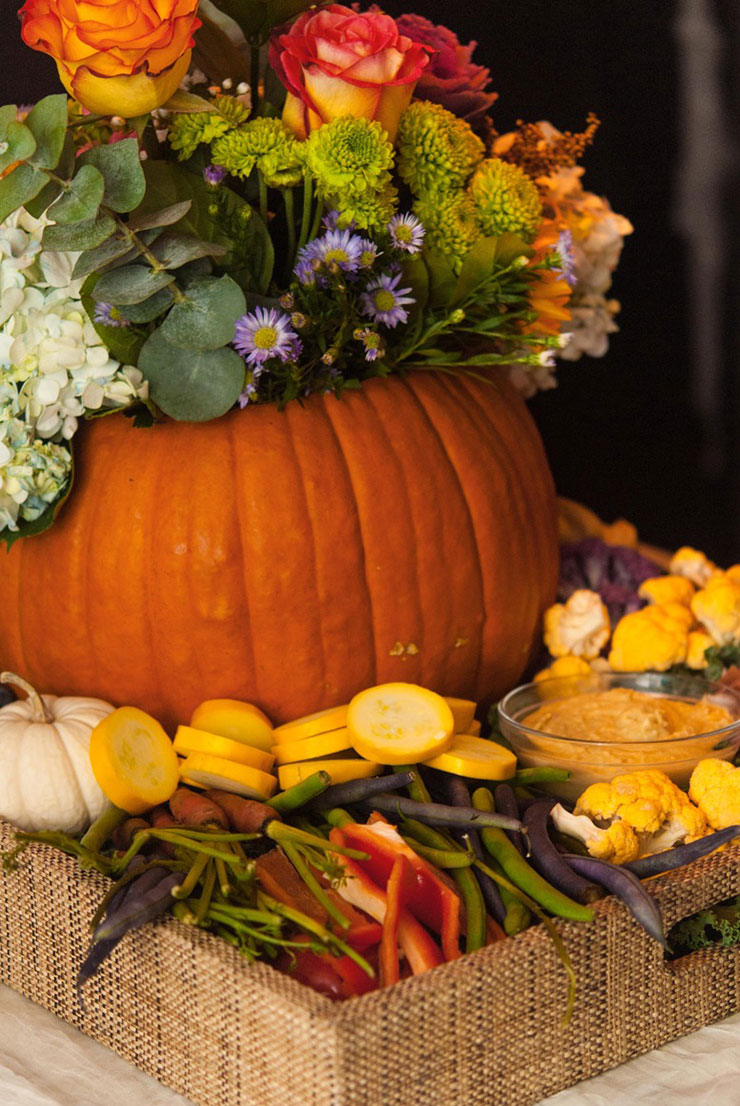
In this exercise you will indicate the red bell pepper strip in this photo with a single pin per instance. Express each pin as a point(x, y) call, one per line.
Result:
point(425, 893)
point(390, 969)
point(420, 950)
point(337, 977)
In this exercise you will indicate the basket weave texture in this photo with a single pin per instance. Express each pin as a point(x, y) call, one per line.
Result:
point(482, 1031)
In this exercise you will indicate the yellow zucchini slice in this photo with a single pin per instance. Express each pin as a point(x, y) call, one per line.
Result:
point(399, 724)
point(341, 771)
point(203, 770)
point(133, 760)
point(311, 725)
point(189, 740)
point(325, 745)
point(463, 711)
point(474, 757)
point(236, 720)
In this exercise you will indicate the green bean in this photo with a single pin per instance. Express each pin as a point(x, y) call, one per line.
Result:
point(542, 774)
point(417, 789)
point(518, 917)
point(339, 817)
point(301, 793)
point(522, 874)
point(441, 858)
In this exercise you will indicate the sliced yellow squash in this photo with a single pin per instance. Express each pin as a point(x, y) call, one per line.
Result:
point(463, 711)
point(133, 760)
point(236, 720)
point(474, 757)
point(341, 771)
point(189, 740)
point(399, 724)
point(473, 730)
point(311, 725)
point(203, 770)
point(325, 745)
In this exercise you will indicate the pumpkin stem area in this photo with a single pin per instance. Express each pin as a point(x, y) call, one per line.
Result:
point(39, 710)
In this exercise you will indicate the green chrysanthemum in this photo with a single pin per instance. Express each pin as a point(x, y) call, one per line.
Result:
point(367, 210)
point(187, 131)
point(506, 199)
point(349, 155)
point(450, 223)
point(264, 143)
point(437, 151)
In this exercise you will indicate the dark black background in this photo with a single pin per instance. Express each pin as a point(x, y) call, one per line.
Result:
point(620, 432)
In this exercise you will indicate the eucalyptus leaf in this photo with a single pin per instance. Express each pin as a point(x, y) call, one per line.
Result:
point(18, 188)
point(116, 251)
point(125, 184)
point(148, 310)
point(47, 122)
point(206, 319)
point(79, 236)
point(38, 205)
point(191, 385)
point(131, 284)
point(8, 115)
point(165, 217)
point(18, 145)
point(174, 250)
point(82, 199)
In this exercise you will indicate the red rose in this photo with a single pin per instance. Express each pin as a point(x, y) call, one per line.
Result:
point(337, 62)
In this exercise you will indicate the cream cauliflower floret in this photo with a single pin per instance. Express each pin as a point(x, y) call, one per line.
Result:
point(580, 627)
point(652, 812)
point(692, 564)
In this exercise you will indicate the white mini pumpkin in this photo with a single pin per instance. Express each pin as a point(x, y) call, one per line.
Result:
point(46, 782)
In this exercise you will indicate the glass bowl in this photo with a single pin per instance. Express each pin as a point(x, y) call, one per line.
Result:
point(591, 760)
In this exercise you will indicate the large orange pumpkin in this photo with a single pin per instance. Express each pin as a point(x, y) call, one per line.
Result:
point(404, 532)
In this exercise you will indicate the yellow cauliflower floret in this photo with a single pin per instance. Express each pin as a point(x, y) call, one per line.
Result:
point(580, 627)
point(564, 666)
point(692, 564)
point(618, 842)
point(733, 573)
point(699, 642)
point(715, 788)
point(667, 589)
point(648, 801)
point(717, 607)
point(655, 637)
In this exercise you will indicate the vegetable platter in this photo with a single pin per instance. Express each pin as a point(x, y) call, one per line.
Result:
point(486, 1028)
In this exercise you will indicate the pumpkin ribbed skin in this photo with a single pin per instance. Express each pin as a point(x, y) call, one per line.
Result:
point(287, 558)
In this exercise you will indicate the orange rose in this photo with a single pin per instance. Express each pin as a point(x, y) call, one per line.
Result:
point(337, 61)
point(114, 56)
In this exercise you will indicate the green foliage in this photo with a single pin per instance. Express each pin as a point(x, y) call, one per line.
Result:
point(206, 319)
point(191, 385)
point(47, 122)
point(17, 145)
point(718, 926)
point(486, 256)
point(18, 188)
point(175, 250)
point(258, 17)
point(165, 217)
point(720, 657)
point(130, 284)
point(125, 184)
point(82, 199)
point(149, 309)
point(79, 236)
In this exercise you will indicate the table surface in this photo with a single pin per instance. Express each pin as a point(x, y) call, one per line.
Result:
point(46, 1062)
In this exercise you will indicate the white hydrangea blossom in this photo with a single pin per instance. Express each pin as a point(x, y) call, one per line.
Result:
point(54, 369)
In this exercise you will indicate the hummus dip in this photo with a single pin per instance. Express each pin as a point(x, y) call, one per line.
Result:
point(623, 714)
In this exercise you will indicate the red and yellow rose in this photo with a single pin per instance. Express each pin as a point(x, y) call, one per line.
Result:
point(337, 62)
point(115, 56)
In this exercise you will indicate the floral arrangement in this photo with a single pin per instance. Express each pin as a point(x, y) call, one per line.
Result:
point(235, 208)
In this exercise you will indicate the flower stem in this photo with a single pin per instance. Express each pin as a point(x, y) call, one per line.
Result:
point(306, 214)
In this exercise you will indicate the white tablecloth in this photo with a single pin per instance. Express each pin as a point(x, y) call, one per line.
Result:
point(45, 1062)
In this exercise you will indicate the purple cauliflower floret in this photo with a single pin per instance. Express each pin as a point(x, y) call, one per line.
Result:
point(614, 571)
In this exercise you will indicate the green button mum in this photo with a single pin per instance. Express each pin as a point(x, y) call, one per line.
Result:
point(349, 155)
point(506, 199)
point(437, 152)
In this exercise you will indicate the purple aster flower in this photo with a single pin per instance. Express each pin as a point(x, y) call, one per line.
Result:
point(564, 249)
point(249, 393)
point(106, 314)
point(304, 269)
point(373, 343)
point(262, 334)
point(370, 253)
point(384, 301)
point(214, 174)
point(407, 233)
point(338, 249)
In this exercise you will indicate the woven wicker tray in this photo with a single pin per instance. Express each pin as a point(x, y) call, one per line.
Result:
point(486, 1029)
